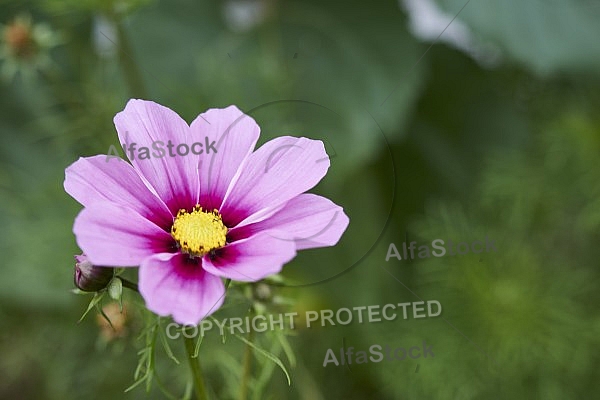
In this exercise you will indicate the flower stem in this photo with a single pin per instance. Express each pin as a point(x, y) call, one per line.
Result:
point(195, 368)
point(247, 367)
point(128, 284)
point(131, 70)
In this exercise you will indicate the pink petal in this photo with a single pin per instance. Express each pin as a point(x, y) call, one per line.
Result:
point(116, 236)
point(173, 284)
point(175, 179)
point(277, 172)
point(308, 220)
point(235, 135)
point(94, 179)
point(251, 259)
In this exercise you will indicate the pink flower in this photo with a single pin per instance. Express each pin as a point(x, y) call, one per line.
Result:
point(188, 221)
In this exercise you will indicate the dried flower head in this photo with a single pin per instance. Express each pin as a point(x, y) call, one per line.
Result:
point(118, 321)
point(25, 46)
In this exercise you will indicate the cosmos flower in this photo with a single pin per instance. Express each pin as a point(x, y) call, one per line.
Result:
point(190, 221)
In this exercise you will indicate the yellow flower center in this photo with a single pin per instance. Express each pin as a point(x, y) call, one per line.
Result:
point(199, 232)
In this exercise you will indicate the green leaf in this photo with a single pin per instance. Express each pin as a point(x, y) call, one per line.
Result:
point(546, 35)
point(101, 312)
point(165, 344)
point(267, 354)
point(197, 348)
point(224, 336)
point(287, 349)
point(262, 380)
point(146, 362)
point(95, 300)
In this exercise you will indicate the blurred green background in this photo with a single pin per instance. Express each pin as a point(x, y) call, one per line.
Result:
point(492, 130)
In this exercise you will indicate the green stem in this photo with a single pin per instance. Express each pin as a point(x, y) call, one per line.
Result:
point(247, 367)
point(128, 284)
point(131, 70)
point(195, 368)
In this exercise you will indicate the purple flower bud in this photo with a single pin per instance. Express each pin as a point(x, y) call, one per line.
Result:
point(91, 278)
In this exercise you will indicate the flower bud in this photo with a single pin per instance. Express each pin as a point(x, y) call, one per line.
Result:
point(262, 292)
point(91, 278)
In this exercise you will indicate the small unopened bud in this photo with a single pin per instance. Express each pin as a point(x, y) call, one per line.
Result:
point(91, 278)
point(262, 292)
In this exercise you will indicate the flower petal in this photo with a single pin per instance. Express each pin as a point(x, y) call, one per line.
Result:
point(147, 124)
point(251, 259)
point(308, 220)
point(235, 135)
point(100, 179)
point(173, 284)
point(116, 236)
point(278, 171)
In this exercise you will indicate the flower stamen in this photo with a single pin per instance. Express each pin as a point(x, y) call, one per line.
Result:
point(199, 232)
